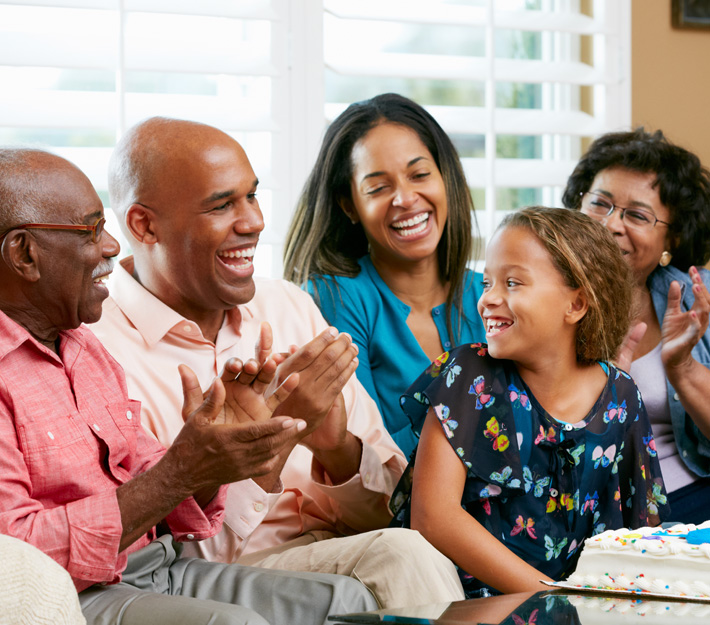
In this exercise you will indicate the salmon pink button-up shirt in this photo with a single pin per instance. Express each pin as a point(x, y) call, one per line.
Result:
point(150, 340)
point(69, 437)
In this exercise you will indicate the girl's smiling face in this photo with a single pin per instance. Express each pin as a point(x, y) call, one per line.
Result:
point(527, 309)
point(398, 195)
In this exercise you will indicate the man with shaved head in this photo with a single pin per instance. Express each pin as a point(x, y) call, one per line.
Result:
point(80, 478)
point(186, 197)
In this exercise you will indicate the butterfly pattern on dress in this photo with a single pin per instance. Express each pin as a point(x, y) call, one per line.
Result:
point(577, 452)
point(452, 372)
point(531, 620)
point(511, 486)
point(537, 485)
point(590, 502)
point(603, 457)
point(655, 497)
point(435, 367)
point(492, 490)
point(597, 526)
point(462, 454)
point(518, 397)
point(495, 431)
point(615, 411)
point(480, 348)
point(650, 444)
point(521, 525)
point(505, 478)
point(572, 548)
point(483, 399)
point(549, 436)
point(617, 459)
point(560, 501)
point(447, 422)
point(554, 547)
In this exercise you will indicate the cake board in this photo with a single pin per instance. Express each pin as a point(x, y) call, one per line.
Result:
point(626, 593)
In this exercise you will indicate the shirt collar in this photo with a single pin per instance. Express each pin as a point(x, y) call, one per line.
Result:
point(150, 316)
point(13, 335)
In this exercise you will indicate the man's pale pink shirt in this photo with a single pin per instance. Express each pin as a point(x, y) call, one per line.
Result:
point(150, 340)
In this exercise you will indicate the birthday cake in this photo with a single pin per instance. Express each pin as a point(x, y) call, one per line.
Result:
point(669, 561)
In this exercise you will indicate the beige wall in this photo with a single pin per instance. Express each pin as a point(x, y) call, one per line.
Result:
point(670, 77)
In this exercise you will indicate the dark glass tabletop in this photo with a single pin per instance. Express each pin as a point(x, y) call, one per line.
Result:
point(557, 607)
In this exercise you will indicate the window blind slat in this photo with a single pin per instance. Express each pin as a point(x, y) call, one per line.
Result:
point(474, 120)
point(69, 4)
point(243, 9)
point(404, 11)
point(519, 173)
point(468, 68)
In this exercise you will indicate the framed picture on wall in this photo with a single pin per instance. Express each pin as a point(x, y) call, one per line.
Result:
point(690, 13)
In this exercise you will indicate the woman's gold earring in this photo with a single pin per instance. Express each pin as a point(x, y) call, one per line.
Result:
point(665, 259)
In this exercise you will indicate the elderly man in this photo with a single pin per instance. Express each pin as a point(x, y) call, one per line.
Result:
point(185, 195)
point(79, 477)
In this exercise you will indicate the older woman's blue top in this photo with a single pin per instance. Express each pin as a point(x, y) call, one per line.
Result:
point(390, 356)
point(693, 445)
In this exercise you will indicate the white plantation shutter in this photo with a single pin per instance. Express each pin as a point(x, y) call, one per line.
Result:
point(520, 85)
point(74, 74)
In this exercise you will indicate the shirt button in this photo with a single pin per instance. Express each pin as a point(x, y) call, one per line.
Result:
point(367, 478)
point(568, 426)
point(675, 396)
point(96, 427)
point(129, 415)
point(187, 328)
point(685, 454)
point(190, 537)
point(437, 312)
point(258, 506)
point(50, 435)
point(447, 344)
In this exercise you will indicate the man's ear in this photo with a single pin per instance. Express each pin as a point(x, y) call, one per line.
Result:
point(140, 222)
point(20, 253)
point(578, 307)
point(346, 205)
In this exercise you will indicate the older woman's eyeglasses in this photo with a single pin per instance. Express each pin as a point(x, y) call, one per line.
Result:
point(599, 206)
point(96, 229)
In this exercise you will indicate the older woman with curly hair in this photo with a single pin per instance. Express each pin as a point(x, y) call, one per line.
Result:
point(654, 197)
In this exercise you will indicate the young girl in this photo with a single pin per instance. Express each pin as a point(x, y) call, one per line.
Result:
point(535, 441)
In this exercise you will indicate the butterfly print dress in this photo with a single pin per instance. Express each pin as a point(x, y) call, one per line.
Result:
point(539, 485)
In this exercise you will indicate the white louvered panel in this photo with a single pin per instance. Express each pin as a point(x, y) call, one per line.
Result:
point(474, 120)
point(58, 109)
point(69, 4)
point(242, 9)
point(426, 12)
point(83, 70)
point(519, 172)
point(469, 68)
point(245, 9)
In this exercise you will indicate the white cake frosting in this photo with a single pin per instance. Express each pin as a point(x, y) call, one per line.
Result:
point(648, 559)
point(609, 610)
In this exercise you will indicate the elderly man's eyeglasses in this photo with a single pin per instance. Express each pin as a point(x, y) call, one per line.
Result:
point(599, 206)
point(96, 229)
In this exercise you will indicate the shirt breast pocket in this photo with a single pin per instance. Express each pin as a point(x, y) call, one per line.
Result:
point(122, 447)
point(55, 453)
